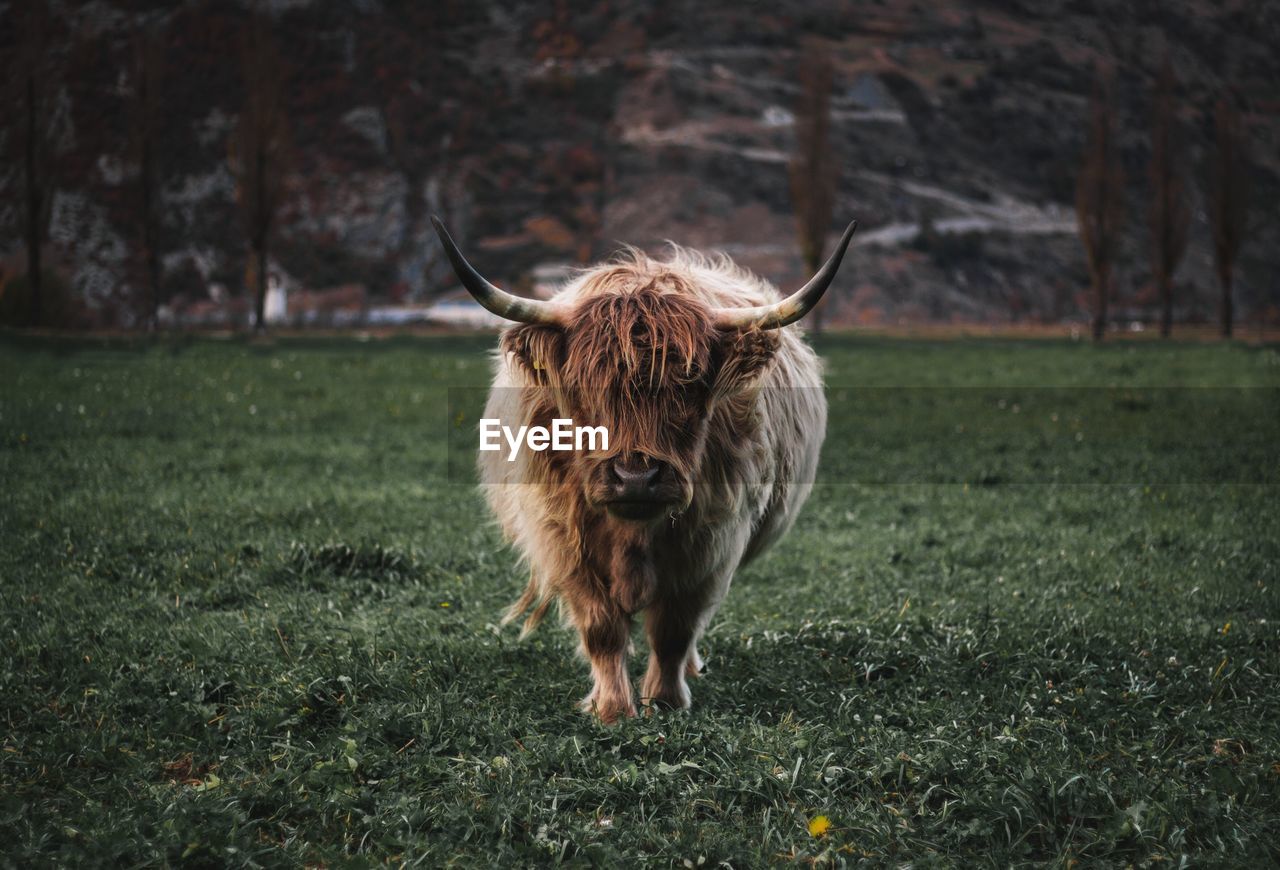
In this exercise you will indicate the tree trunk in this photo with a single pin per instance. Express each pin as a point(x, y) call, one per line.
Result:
point(1100, 304)
point(1166, 297)
point(153, 277)
point(34, 209)
point(260, 300)
point(264, 231)
point(149, 241)
point(1226, 307)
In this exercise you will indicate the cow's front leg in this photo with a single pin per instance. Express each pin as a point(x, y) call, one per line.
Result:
point(606, 633)
point(672, 627)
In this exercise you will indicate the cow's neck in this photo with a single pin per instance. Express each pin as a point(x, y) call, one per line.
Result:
point(623, 559)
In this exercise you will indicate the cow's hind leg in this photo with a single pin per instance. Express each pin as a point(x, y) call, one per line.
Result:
point(694, 665)
point(672, 627)
point(606, 635)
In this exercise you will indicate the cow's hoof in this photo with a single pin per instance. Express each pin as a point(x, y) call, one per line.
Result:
point(667, 698)
point(608, 711)
point(654, 706)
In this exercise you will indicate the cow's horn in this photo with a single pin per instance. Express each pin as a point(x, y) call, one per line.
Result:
point(795, 306)
point(500, 302)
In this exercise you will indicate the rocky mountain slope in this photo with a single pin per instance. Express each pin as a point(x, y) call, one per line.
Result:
point(550, 132)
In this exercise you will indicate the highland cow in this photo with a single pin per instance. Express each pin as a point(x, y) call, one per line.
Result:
point(716, 415)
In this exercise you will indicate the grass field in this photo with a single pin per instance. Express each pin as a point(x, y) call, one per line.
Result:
point(248, 617)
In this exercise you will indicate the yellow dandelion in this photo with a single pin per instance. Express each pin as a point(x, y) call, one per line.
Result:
point(818, 826)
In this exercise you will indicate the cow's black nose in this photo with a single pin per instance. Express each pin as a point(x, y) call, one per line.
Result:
point(635, 476)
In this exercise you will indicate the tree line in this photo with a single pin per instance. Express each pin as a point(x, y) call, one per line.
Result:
point(1100, 187)
point(258, 152)
point(1100, 196)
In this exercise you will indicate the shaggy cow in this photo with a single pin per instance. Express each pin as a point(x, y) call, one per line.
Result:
point(715, 416)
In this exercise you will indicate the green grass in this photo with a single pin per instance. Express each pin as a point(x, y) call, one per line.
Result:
point(247, 618)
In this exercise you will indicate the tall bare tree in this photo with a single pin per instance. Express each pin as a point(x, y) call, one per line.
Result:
point(813, 166)
point(34, 85)
point(1170, 215)
point(259, 151)
point(1100, 195)
point(407, 155)
point(148, 68)
point(1228, 199)
point(433, 177)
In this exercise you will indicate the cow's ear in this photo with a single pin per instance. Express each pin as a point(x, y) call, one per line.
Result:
point(742, 355)
point(538, 349)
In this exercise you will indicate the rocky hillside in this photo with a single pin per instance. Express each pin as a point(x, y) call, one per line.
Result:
point(547, 134)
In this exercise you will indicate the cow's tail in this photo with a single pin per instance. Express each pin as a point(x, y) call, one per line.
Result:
point(532, 596)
